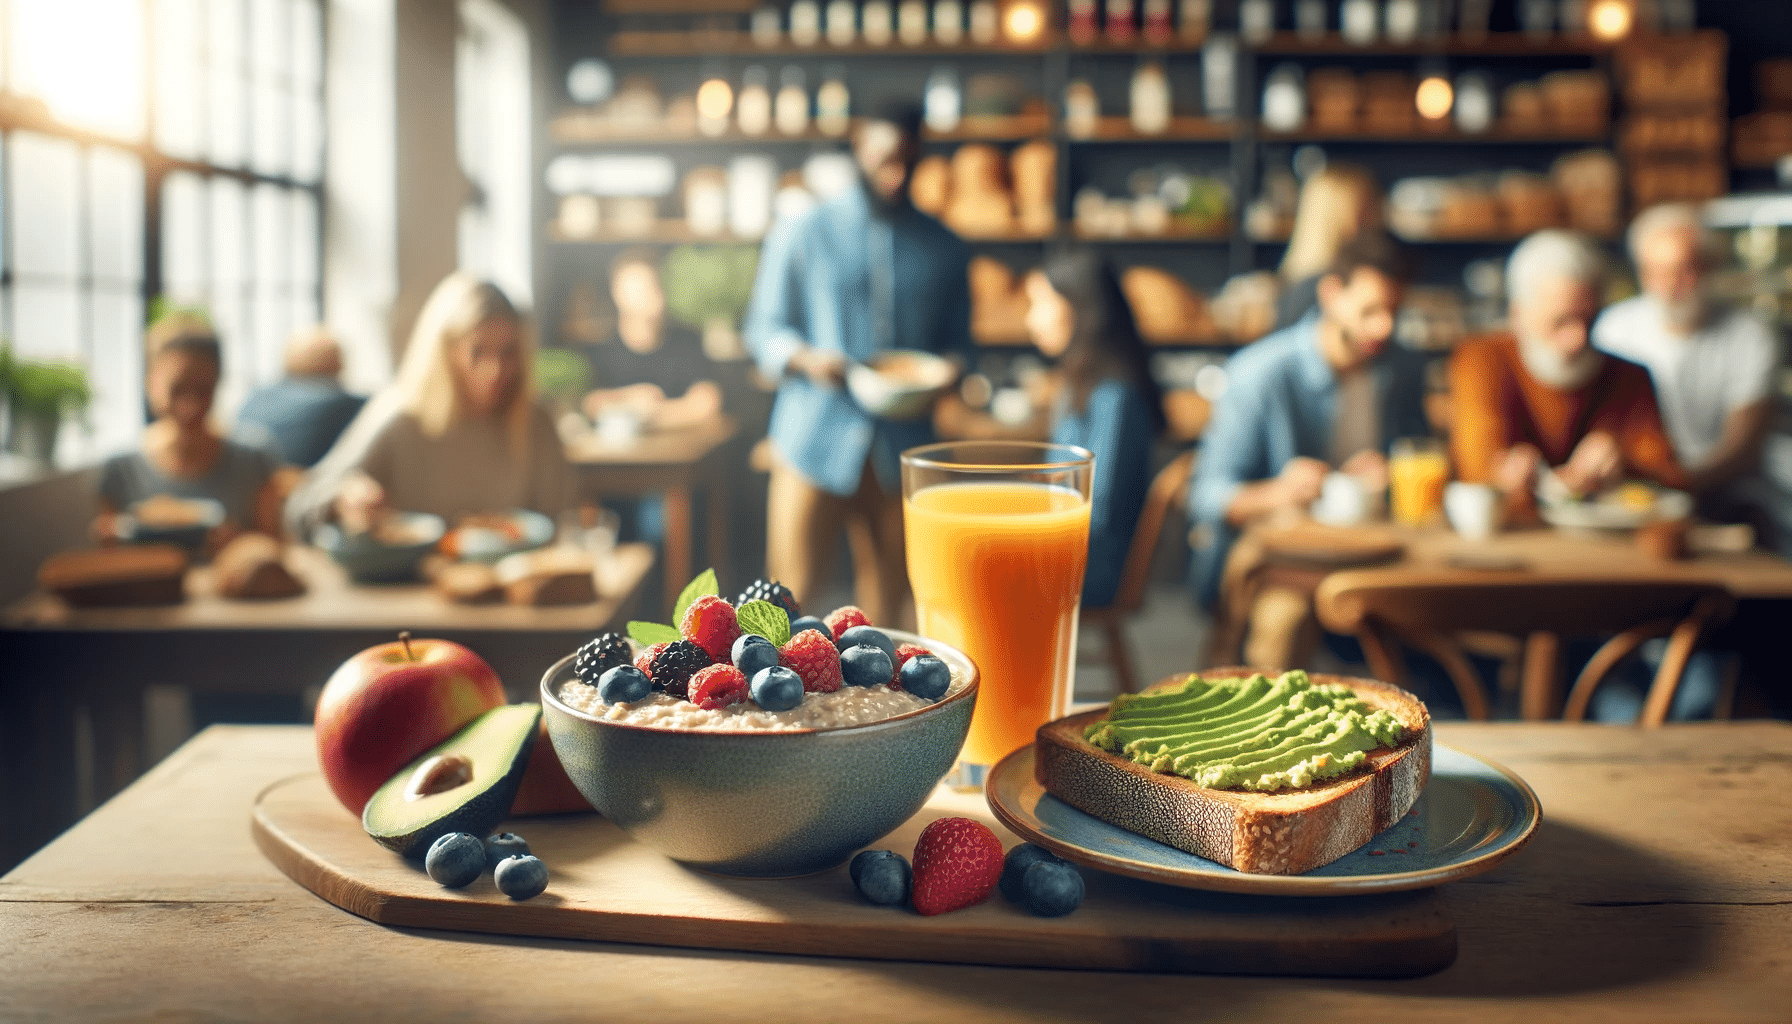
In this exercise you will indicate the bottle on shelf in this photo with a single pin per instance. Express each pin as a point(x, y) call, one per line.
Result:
point(1122, 17)
point(805, 22)
point(1082, 110)
point(941, 103)
point(842, 22)
point(986, 22)
point(753, 108)
point(1150, 99)
point(1538, 18)
point(1194, 20)
point(1572, 17)
point(1358, 21)
point(1219, 69)
point(1473, 18)
point(1309, 18)
point(790, 112)
point(911, 22)
point(767, 26)
point(1257, 21)
point(876, 22)
point(752, 181)
point(1157, 30)
point(1401, 20)
point(833, 103)
point(948, 22)
point(1285, 99)
point(1474, 103)
point(1084, 21)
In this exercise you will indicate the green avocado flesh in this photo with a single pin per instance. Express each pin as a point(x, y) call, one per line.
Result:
point(1251, 734)
point(497, 745)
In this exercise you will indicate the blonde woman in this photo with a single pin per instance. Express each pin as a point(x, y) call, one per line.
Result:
point(457, 432)
point(1337, 203)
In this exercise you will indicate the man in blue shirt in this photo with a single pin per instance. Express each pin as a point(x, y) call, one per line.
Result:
point(1332, 390)
point(860, 274)
point(298, 417)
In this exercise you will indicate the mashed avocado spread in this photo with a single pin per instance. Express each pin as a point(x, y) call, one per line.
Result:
point(1251, 734)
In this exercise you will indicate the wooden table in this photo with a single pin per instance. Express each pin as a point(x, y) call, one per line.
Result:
point(93, 665)
point(1657, 889)
point(671, 464)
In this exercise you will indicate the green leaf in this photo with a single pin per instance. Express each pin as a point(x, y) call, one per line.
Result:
point(649, 633)
point(766, 619)
point(703, 586)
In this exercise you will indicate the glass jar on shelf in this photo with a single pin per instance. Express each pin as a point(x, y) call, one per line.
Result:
point(877, 22)
point(1359, 21)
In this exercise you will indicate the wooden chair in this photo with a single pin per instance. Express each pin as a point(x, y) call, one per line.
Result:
point(1427, 608)
point(1167, 491)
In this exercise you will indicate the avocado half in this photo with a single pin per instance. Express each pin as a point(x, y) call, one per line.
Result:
point(495, 748)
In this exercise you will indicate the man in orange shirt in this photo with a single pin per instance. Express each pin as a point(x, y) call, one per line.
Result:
point(1541, 398)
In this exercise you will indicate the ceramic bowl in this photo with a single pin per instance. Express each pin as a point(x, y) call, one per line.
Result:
point(190, 536)
point(762, 804)
point(899, 384)
point(530, 530)
point(367, 560)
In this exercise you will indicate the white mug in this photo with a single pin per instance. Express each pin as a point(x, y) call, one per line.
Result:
point(1473, 509)
point(1343, 501)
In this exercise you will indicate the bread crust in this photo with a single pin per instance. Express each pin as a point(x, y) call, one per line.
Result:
point(1288, 832)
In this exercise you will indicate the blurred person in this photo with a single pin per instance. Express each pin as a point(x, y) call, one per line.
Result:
point(456, 433)
point(1107, 400)
point(1541, 399)
point(299, 416)
point(1337, 203)
point(1713, 367)
point(649, 360)
point(182, 454)
point(1332, 391)
point(862, 273)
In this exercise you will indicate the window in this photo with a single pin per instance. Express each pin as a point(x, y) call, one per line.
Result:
point(492, 120)
point(174, 150)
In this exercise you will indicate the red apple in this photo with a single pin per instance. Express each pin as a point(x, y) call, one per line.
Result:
point(388, 704)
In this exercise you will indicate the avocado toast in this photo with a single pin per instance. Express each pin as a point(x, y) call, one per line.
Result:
point(1375, 737)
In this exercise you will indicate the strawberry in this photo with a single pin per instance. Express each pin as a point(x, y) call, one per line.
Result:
point(813, 656)
point(844, 618)
point(903, 653)
point(957, 862)
point(644, 660)
point(710, 624)
point(718, 686)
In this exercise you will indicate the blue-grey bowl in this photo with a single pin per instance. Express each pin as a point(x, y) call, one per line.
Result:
point(762, 804)
point(367, 560)
point(537, 531)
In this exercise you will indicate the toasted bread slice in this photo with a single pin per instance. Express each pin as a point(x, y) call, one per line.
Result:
point(1287, 832)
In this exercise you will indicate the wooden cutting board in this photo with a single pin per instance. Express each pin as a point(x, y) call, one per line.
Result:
point(604, 886)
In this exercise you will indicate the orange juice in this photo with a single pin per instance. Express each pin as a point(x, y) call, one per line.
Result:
point(997, 572)
point(1416, 482)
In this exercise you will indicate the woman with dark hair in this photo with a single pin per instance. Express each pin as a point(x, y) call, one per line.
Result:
point(1107, 400)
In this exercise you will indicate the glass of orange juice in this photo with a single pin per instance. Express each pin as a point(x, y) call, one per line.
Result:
point(998, 536)
point(1418, 469)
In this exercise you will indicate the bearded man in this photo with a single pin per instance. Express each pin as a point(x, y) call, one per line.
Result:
point(1541, 400)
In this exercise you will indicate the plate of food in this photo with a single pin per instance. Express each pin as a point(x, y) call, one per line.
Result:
point(1624, 507)
point(901, 383)
point(166, 519)
point(490, 536)
point(1238, 782)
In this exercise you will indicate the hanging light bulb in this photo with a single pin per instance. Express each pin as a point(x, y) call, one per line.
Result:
point(715, 99)
point(1610, 20)
point(1023, 21)
point(1435, 98)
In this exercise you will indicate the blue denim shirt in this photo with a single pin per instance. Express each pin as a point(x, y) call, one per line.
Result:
point(1280, 403)
point(845, 279)
point(1117, 428)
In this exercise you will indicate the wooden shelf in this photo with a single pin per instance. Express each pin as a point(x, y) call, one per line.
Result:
point(741, 44)
point(1495, 44)
point(1181, 129)
point(581, 130)
point(1448, 137)
point(1174, 235)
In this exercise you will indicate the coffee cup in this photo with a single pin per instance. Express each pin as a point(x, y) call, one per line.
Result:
point(1343, 501)
point(1473, 510)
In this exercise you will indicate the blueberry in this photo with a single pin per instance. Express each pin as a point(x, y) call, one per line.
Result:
point(868, 635)
point(810, 622)
point(882, 877)
point(623, 684)
point(521, 877)
point(926, 676)
point(753, 652)
point(866, 665)
point(455, 859)
point(502, 845)
point(1051, 889)
point(1015, 865)
point(776, 688)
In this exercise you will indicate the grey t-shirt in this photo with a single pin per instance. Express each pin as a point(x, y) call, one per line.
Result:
point(234, 481)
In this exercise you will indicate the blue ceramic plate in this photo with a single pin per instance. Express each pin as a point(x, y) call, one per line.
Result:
point(1472, 815)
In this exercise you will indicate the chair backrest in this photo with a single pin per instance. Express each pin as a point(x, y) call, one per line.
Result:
point(1167, 490)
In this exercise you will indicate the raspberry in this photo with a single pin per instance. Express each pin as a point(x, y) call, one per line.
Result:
point(773, 591)
point(844, 618)
point(903, 653)
point(674, 667)
point(718, 686)
point(599, 656)
point(957, 862)
point(709, 623)
point(812, 655)
point(644, 660)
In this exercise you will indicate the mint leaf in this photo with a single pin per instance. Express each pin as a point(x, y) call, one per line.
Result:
point(703, 586)
point(766, 619)
point(649, 633)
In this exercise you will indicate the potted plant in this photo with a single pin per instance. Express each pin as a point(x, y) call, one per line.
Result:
point(708, 287)
point(39, 394)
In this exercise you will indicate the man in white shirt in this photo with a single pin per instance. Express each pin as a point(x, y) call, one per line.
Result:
point(1713, 367)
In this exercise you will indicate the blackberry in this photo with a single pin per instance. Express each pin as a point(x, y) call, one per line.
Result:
point(674, 667)
point(773, 591)
point(599, 656)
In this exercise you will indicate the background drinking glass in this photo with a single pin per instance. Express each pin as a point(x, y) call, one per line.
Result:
point(998, 536)
point(1417, 473)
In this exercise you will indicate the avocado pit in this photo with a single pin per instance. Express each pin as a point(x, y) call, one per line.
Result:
point(439, 774)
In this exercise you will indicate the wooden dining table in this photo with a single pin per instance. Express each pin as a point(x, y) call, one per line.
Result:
point(1657, 888)
point(673, 465)
point(73, 688)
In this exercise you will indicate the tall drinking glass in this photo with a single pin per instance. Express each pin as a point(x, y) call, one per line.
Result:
point(1418, 469)
point(998, 536)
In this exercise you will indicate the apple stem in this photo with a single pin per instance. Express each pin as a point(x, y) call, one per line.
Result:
point(405, 639)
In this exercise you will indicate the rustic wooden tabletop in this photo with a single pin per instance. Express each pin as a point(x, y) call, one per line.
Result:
point(1657, 890)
